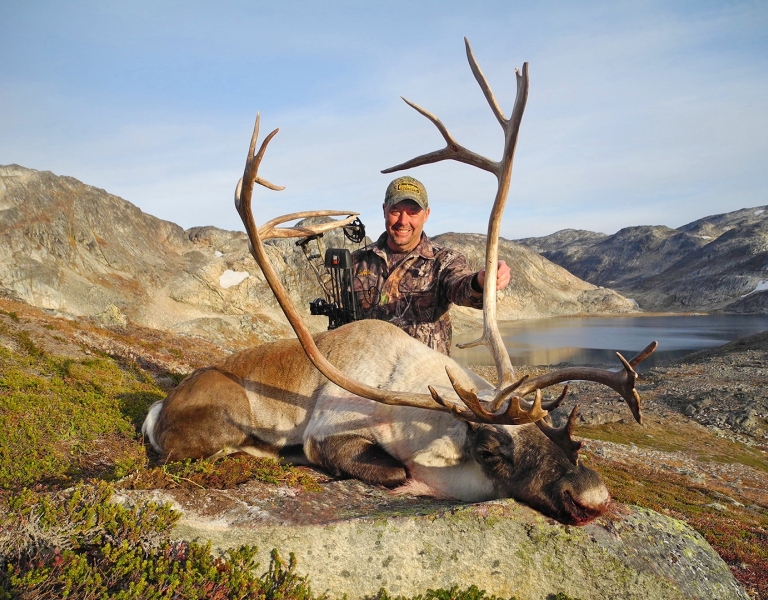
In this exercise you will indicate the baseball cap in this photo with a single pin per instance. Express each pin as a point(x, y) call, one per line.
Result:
point(406, 188)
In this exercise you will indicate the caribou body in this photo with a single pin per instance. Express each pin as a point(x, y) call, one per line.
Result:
point(354, 400)
point(271, 401)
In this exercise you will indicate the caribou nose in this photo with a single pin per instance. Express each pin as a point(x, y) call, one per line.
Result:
point(594, 496)
point(587, 506)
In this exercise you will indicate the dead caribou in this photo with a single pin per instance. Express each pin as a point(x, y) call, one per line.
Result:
point(353, 400)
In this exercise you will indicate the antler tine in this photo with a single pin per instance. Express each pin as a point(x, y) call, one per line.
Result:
point(553, 404)
point(452, 151)
point(562, 436)
point(501, 395)
point(643, 354)
point(254, 160)
point(622, 381)
point(269, 230)
point(244, 189)
point(483, 83)
point(515, 413)
point(475, 412)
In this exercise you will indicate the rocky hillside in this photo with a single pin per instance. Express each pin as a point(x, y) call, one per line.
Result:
point(539, 288)
point(81, 251)
point(719, 262)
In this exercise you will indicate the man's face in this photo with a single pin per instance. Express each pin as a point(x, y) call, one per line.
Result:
point(404, 223)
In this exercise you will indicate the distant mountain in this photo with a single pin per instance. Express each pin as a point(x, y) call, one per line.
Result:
point(78, 250)
point(715, 263)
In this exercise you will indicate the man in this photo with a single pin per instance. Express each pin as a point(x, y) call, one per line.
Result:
point(406, 279)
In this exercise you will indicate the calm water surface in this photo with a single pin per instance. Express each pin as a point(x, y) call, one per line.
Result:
point(595, 340)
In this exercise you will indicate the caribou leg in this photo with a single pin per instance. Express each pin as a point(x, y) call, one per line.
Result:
point(358, 457)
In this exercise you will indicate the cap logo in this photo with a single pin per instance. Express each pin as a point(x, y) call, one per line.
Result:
point(406, 186)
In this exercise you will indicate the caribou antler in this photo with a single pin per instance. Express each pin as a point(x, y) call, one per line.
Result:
point(268, 231)
point(243, 197)
point(563, 436)
point(507, 406)
point(503, 172)
point(623, 383)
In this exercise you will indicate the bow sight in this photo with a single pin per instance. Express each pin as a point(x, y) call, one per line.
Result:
point(334, 274)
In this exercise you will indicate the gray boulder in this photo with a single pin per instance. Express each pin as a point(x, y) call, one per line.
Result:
point(352, 539)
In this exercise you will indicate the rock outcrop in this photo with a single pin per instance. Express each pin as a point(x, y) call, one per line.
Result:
point(352, 540)
point(710, 264)
point(79, 250)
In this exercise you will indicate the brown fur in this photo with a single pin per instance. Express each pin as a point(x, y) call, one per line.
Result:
point(196, 424)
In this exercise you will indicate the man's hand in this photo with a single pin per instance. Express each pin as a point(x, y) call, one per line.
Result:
point(502, 276)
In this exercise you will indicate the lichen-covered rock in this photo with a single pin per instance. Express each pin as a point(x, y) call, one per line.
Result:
point(353, 540)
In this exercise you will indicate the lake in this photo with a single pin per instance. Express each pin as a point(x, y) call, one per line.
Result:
point(595, 340)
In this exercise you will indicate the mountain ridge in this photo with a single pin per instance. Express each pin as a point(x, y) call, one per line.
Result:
point(79, 250)
point(717, 263)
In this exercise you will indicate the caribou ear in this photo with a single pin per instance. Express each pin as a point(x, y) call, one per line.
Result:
point(562, 436)
point(473, 431)
point(472, 427)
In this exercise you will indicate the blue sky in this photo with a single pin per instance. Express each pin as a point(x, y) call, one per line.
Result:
point(639, 113)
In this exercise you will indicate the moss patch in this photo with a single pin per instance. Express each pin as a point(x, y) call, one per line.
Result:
point(455, 593)
point(56, 413)
point(224, 473)
point(659, 434)
point(739, 534)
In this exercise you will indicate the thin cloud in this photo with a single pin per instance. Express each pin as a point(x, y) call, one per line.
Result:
point(641, 114)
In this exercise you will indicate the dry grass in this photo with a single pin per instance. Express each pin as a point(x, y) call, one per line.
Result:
point(224, 474)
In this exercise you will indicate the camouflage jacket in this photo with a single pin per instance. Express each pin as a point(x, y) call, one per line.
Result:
point(416, 294)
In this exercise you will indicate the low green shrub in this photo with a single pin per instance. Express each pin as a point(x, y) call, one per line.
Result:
point(224, 473)
point(65, 419)
point(81, 544)
point(454, 593)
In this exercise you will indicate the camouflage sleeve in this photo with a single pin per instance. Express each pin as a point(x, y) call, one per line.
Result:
point(456, 280)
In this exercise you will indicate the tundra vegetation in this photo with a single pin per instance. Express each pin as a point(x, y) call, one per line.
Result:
point(73, 397)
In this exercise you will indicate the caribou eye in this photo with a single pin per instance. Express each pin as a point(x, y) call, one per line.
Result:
point(492, 458)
